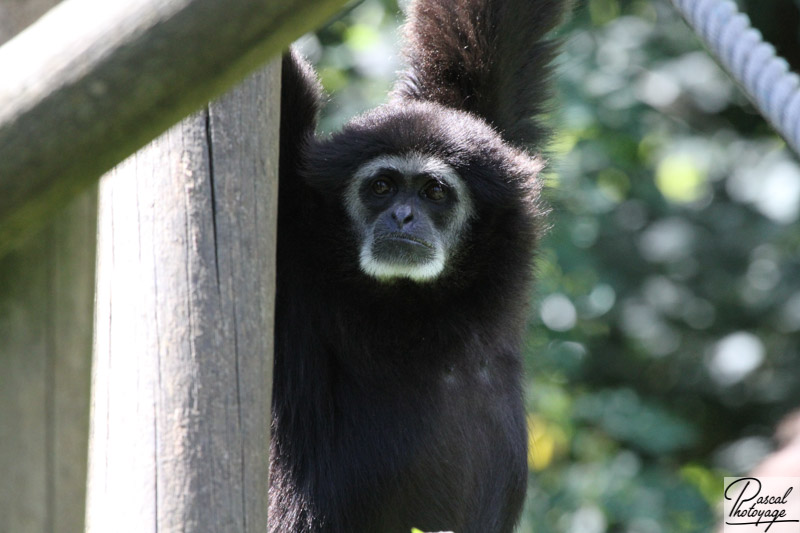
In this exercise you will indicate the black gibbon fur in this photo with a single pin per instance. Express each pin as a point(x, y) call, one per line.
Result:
point(397, 400)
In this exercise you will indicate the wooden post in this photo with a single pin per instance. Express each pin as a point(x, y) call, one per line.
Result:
point(46, 290)
point(181, 382)
point(46, 300)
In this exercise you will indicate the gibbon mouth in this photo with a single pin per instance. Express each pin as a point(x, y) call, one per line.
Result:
point(404, 237)
point(402, 249)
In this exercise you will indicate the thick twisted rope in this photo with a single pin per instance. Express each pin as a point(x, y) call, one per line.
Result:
point(753, 63)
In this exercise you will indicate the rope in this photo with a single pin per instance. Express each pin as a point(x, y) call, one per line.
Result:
point(753, 63)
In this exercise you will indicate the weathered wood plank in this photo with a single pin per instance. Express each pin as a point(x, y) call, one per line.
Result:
point(46, 303)
point(182, 370)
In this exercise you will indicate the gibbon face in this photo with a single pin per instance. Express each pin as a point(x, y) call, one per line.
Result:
point(422, 189)
point(409, 211)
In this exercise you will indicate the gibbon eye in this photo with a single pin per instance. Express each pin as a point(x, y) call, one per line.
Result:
point(381, 187)
point(435, 191)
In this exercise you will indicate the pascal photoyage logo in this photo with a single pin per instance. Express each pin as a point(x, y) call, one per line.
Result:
point(762, 504)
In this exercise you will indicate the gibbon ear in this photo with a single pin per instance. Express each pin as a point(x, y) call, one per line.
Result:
point(489, 57)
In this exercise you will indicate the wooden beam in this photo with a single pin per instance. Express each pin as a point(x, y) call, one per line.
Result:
point(94, 80)
point(46, 303)
point(182, 372)
point(46, 317)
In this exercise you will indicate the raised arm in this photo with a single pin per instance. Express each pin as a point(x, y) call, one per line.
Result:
point(489, 57)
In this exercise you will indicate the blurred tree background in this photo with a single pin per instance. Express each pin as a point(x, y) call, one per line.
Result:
point(664, 343)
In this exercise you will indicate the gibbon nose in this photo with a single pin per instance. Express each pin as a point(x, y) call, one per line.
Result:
point(402, 215)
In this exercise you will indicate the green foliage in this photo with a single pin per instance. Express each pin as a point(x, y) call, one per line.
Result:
point(664, 338)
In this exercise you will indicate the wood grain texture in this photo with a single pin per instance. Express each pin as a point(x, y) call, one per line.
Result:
point(92, 81)
point(46, 303)
point(181, 384)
